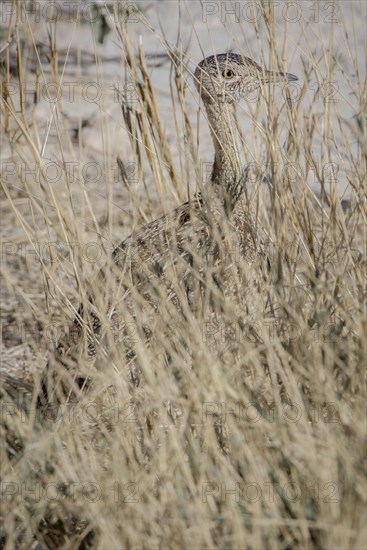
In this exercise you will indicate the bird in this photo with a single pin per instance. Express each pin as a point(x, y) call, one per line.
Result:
point(170, 251)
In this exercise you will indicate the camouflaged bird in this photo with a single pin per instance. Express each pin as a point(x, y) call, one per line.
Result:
point(180, 251)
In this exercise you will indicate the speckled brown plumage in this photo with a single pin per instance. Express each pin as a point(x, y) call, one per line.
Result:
point(173, 248)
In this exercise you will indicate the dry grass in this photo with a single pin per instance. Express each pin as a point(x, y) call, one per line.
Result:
point(246, 428)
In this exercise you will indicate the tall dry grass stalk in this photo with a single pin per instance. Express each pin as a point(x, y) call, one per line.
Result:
point(240, 424)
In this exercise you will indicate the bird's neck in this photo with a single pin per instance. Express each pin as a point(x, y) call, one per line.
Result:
point(227, 172)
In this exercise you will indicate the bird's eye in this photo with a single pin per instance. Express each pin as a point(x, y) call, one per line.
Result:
point(228, 74)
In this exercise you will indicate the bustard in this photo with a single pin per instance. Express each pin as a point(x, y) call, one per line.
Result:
point(164, 250)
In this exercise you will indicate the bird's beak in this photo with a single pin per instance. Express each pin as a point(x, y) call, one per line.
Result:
point(271, 76)
point(289, 76)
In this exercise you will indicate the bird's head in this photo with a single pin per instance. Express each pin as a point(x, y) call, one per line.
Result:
point(228, 77)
